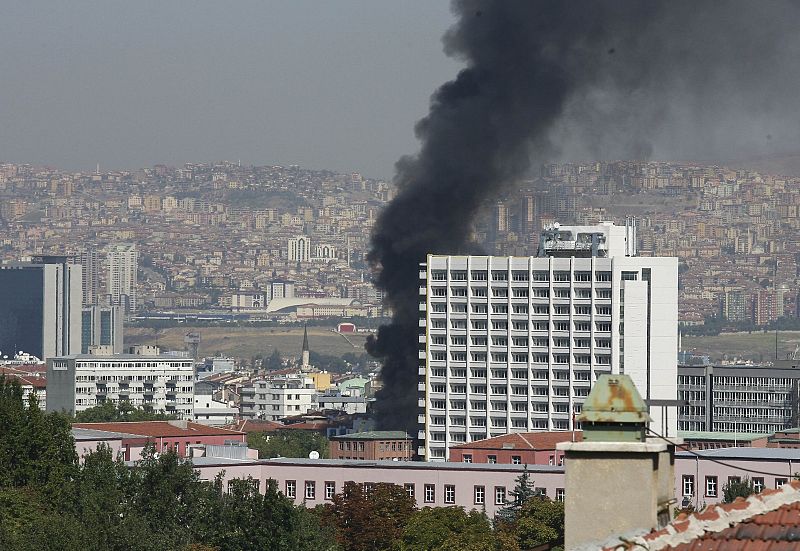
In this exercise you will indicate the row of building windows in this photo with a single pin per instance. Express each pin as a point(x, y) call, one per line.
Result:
point(429, 492)
point(497, 390)
point(522, 325)
point(521, 357)
point(503, 373)
point(536, 309)
point(520, 292)
point(439, 420)
point(521, 275)
point(712, 487)
point(496, 340)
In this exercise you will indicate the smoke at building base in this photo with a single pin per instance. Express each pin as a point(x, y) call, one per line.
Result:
point(550, 80)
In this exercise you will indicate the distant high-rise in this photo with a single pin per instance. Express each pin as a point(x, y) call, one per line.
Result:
point(40, 307)
point(90, 265)
point(101, 326)
point(300, 249)
point(123, 262)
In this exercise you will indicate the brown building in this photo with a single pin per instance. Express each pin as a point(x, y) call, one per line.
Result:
point(521, 448)
point(393, 445)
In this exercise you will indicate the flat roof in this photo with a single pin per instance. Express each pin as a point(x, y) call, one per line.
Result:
point(722, 436)
point(99, 357)
point(374, 435)
point(157, 429)
point(774, 454)
point(356, 463)
point(82, 434)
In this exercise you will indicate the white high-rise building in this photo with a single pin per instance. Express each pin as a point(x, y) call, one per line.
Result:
point(123, 264)
point(300, 249)
point(513, 344)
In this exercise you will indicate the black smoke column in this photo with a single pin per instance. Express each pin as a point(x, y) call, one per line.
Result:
point(594, 77)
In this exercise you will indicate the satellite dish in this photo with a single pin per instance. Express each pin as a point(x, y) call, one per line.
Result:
point(313, 455)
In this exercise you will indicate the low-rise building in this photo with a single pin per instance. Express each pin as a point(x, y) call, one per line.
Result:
point(158, 383)
point(734, 398)
point(277, 398)
point(375, 445)
point(130, 438)
point(347, 404)
point(523, 448)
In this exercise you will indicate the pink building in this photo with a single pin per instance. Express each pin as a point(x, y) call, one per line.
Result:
point(313, 482)
point(700, 476)
point(175, 435)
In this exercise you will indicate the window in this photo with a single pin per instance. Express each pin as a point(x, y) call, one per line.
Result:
point(430, 493)
point(560, 494)
point(409, 489)
point(780, 482)
point(449, 494)
point(688, 485)
point(499, 495)
point(711, 486)
point(758, 484)
point(311, 489)
point(492, 459)
point(291, 489)
point(467, 458)
point(516, 460)
point(480, 495)
point(330, 489)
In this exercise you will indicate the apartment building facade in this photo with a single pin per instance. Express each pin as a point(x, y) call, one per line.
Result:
point(274, 399)
point(739, 399)
point(513, 344)
point(159, 383)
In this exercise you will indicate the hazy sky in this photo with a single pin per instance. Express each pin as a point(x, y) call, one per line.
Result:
point(325, 84)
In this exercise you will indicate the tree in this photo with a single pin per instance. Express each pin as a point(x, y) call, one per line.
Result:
point(523, 492)
point(447, 528)
point(370, 519)
point(274, 361)
point(737, 488)
point(539, 521)
point(289, 443)
point(109, 412)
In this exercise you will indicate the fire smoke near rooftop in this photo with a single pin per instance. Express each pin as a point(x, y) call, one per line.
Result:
point(577, 79)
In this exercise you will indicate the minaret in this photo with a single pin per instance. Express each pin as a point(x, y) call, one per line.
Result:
point(304, 358)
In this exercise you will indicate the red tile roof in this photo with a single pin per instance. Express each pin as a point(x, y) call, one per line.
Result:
point(256, 425)
point(157, 429)
point(769, 521)
point(522, 441)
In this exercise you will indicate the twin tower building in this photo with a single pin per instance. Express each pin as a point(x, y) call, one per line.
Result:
point(513, 344)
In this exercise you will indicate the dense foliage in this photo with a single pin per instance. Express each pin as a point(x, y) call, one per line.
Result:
point(49, 500)
point(109, 412)
point(737, 488)
point(288, 443)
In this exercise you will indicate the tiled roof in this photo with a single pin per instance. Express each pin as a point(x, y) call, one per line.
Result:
point(256, 425)
point(522, 441)
point(160, 428)
point(769, 521)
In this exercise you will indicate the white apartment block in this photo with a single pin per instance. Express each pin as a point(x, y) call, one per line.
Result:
point(160, 383)
point(299, 249)
point(123, 265)
point(513, 344)
point(277, 398)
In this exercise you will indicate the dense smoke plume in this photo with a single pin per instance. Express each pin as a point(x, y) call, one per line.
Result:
point(567, 79)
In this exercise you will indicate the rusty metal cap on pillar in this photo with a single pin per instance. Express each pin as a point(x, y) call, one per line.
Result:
point(614, 399)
